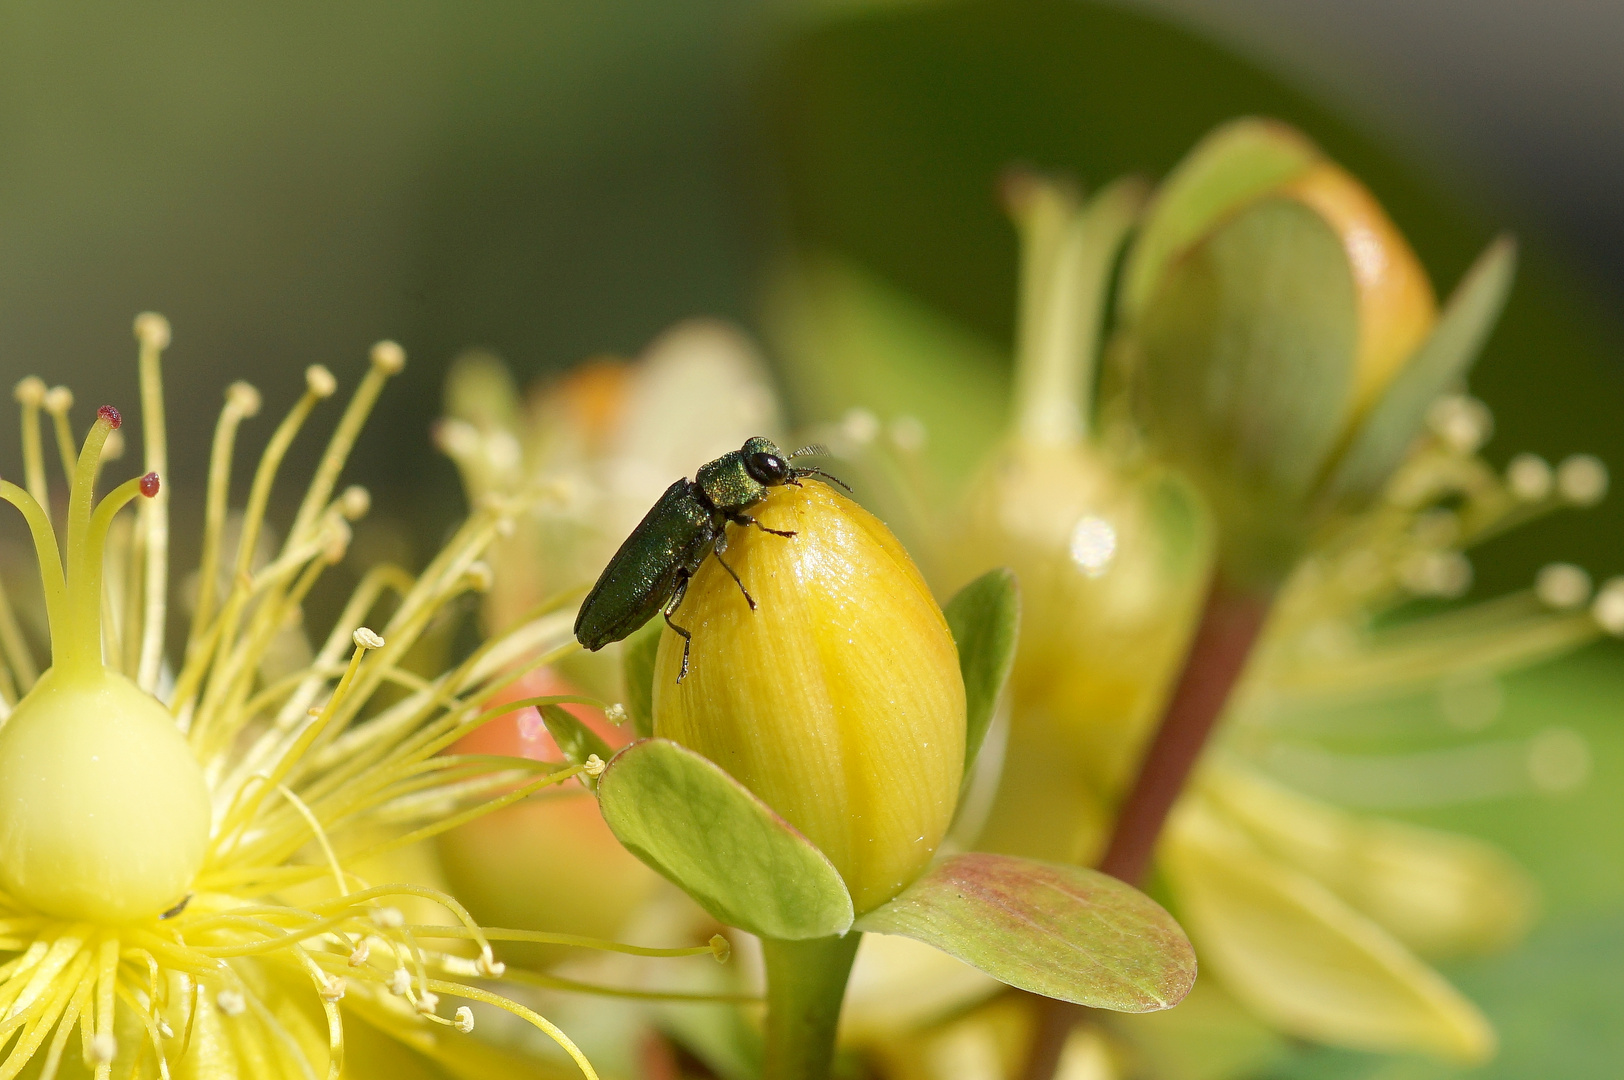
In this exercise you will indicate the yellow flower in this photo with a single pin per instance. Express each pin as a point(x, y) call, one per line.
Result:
point(838, 699)
point(180, 846)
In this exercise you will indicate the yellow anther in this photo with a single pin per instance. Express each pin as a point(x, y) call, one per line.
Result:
point(593, 766)
point(355, 502)
point(231, 1002)
point(465, 1019)
point(320, 381)
point(1582, 479)
point(1608, 607)
point(30, 391)
point(1562, 586)
point(721, 948)
point(57, 400)
point(333, 989)
point(616, 714)
point(152, 330)
point(490, 967)
point(244, 398)
point(386, 917)
point(366, 639)
point(103, 1047)
point(428, 1002)
point(400, 982)
point(388, 357)
point(361, 954)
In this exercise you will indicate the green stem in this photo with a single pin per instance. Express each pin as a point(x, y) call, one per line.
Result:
point(806, 982)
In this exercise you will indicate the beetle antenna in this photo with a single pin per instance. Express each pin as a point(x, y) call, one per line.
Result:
point(826, 476)
point(811, 450)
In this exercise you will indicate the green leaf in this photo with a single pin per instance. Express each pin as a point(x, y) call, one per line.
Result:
point(575, 740)
point(1394, 421)
point(709, 835)
point(637, 667)
point(1236, 162)
point(985, 618)
point(1061, 931)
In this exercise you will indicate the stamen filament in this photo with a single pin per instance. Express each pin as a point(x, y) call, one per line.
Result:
point(387, 360)
point(30, 394)
point(153, 332)
point(50, 562)
point(242, 401)
point(474, 993)
point(85, 591)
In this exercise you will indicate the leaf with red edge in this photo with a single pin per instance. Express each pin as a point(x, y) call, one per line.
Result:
point(1060, 931)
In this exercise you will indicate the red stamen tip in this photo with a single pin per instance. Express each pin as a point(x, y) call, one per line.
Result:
point(149, 482)
point(110, 414)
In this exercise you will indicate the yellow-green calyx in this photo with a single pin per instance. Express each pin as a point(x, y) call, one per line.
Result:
point(104, 812)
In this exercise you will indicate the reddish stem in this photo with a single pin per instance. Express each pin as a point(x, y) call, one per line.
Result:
point(1230, 624)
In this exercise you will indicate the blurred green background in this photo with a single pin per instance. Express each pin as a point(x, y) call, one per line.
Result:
point(289, 183)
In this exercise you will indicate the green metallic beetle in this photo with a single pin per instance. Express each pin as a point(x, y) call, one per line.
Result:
point(652, 568)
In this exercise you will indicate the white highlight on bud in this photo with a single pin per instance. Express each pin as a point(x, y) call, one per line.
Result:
point(320, 381)
point(388, 357)
point(1093, 545)
point(152, 330)
point(1562, 586)
point(465, 1019)
point(1529, 477)
point(1608, 607)
point(1463, 423)
point(1582, 479)
point(1558, 760)
point(366, 639)
point(231, 1002)
point(103, 1047)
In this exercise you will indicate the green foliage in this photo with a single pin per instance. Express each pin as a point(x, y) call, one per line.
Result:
point(1061, 931)
point(1442, 361)
point(706, 833)
point(575, 740)
point(985, 618)
point(637, 655)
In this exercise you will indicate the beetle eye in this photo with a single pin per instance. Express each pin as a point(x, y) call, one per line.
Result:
point(767, 468)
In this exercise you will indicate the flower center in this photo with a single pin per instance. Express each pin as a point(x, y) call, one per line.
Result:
point(104, 811)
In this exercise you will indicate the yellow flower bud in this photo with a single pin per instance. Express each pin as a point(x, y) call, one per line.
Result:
point(1112, 568)
point(838, 700)
point(1396, 303)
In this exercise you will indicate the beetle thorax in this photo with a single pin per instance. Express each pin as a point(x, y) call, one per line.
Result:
point(728, 484)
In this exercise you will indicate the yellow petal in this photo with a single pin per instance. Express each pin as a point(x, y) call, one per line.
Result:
point(1439, 893)
point(1300, 957)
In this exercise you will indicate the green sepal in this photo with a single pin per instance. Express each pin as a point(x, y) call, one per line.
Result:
point(575, 740)
point(637, 655)
point(1060, 931)
point(1233, 164)
point(985, 618)
point(1380, 442)
point(710, 836)
point(1244, 374)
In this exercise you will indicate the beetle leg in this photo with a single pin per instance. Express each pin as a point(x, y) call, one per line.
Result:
point(746, 519)
point(687, 637)
point(735, 576)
